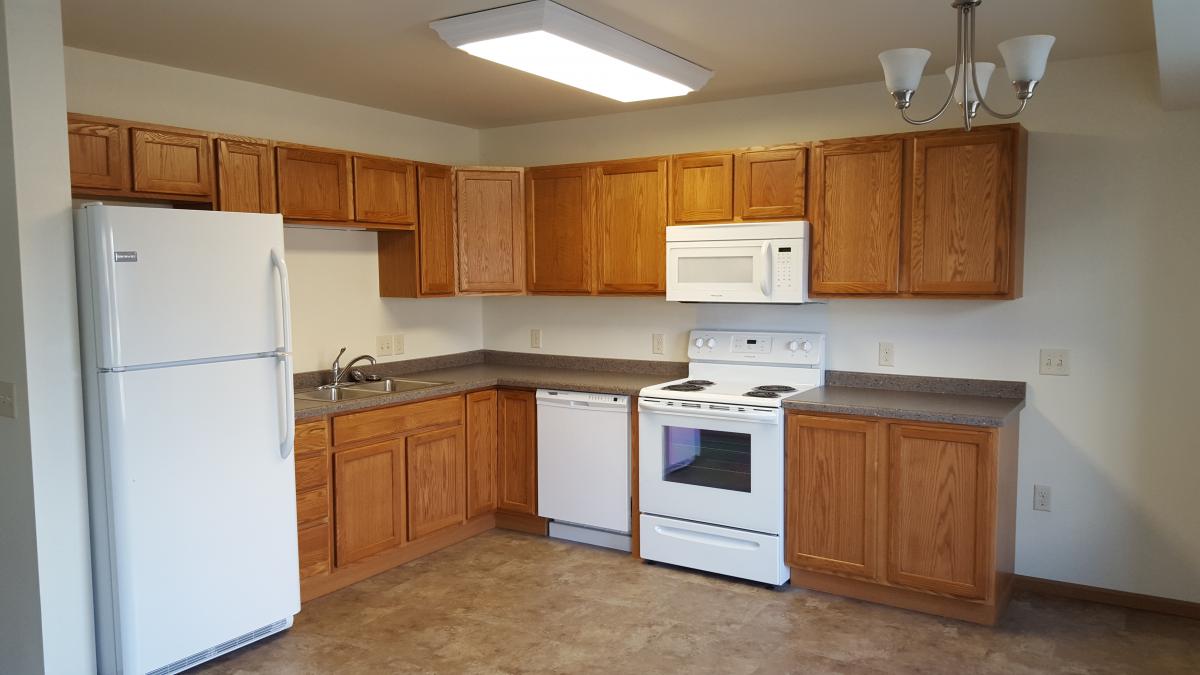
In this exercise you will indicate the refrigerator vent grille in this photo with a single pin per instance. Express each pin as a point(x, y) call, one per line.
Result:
point(214, 652)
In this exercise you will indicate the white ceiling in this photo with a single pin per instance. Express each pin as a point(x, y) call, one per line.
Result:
point(382, 53)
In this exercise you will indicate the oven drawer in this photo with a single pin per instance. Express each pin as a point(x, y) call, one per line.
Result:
point(737, 553)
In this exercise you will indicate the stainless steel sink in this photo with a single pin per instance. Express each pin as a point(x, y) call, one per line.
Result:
point(392, 385)
point(359, 390)
point(332, 394)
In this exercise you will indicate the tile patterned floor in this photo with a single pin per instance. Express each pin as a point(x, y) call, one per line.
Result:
point(505, 602)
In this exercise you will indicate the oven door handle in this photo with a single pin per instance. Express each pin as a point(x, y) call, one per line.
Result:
point(751, 416)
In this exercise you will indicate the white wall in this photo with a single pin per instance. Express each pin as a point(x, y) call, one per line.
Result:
point(1113, 237)
point(334, 272)
point(45, 588)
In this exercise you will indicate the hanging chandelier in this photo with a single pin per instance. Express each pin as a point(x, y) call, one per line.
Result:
point(1024, 59)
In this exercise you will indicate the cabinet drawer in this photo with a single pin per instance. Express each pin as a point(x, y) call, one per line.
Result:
point(397, 420)
point(312, 507)
point(314, 550)
point(310, 438)
point(312, 472)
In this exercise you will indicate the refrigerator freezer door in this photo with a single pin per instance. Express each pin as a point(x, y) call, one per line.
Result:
point(172, 285)
point(203, 508)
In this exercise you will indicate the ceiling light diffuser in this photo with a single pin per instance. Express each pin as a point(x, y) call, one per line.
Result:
point(560, 44)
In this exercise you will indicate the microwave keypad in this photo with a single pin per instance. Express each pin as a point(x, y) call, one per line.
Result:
point(783, 267)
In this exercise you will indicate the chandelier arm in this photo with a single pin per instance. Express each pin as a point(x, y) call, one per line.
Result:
point(958, 54)
point(975, 81)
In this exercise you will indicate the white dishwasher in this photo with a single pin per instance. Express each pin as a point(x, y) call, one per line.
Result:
point(583, 466)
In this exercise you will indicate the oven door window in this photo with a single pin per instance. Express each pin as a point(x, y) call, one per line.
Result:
point(707, 458)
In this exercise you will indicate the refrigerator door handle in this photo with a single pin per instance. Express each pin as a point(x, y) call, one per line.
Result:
point(288, 413)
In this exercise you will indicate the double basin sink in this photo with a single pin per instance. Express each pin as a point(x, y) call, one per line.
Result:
point(351, 391)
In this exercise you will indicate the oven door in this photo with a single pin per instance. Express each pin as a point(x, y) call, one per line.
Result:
point(719, 271)
point(711, 463)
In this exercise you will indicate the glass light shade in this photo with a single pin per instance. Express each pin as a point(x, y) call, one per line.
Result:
point(902, 68)
point(1025, 56)
point(983, 71)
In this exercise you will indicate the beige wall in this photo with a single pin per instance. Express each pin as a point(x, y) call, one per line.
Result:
point(1112, 243)
point(334, 272)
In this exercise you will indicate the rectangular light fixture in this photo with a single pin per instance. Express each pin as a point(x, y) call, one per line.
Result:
point(552, 41)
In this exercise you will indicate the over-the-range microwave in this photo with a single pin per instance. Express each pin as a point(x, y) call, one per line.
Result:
point(738, 262)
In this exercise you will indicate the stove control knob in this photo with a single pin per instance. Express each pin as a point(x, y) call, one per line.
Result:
point(711, 343)
point(805, 346)
point(794, 345)
point(699, 342)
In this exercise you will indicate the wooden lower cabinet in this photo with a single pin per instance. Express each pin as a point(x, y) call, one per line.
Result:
point(368, 492)
point(313, 499)
point(482, 444)
point(909, 514)
point(434, 465)
point(517, 470)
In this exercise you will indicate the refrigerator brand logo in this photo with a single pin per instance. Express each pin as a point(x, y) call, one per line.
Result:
point(125, 256)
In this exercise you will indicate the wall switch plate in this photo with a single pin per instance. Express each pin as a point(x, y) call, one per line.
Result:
point(535, 338)
point(887, 354)
point(383, 345)
point(8, 400)
point(656, 343)
point(398, 343)
point(1041, 497)
point(1054, 362)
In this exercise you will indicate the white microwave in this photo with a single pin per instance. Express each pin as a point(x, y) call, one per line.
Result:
point(738, 262)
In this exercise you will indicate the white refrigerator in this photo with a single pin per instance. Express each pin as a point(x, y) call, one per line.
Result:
point(185, 333)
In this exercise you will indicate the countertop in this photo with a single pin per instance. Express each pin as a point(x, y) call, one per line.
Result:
point(483, 375)
point(920, 406)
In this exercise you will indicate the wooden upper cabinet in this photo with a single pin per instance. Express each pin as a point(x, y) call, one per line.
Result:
point(172, 162)
point(940, 510)
point(245, 175)
point(832, 492)
point(369, 500)
point(962, 212)
point(435, 229)
point(856, 215)
point(434, 465)
point(770, 183)
point(482, 444)
point(491, 230)
point(99, 153)
point(560, 233)
point(517, 470)
point(631, 219)
point(314, 184)
point(385, 191)
point(702, 188)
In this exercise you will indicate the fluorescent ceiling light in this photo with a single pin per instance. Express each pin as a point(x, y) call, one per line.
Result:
point(551, 41)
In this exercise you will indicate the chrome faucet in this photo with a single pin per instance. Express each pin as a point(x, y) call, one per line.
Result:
point(339, 372)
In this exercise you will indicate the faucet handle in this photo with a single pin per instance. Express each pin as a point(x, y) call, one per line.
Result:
point(337, 360)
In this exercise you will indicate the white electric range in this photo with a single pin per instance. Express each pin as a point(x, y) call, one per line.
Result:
point(711, 452)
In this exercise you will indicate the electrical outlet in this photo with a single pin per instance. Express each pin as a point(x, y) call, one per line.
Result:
point(656, 343)
point(535, 338)
point(887, 354)
point(383, 345)
point(1054, 362)
point(398, 343)
point(8, 400)
point(1041, 497)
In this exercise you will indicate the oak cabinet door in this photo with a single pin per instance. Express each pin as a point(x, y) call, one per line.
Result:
point(702, 188)
point(491, 231)
point(771, 183)
point(856, 216)
point(313, 548)
point(560, 231)
point(313, 184)
point(832, 489)
point(368, 500)
point(98, 152)
point(517, 473)
point(434, 465)
point(435, 229)
point(962, 193)
point(631, 220)
point(482, 452)
point(385, 191)
point(245, 176)
point(939, 516)
point(172, 162)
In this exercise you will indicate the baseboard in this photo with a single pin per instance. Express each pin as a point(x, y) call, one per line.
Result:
point(1146, 603)
point(522, 522)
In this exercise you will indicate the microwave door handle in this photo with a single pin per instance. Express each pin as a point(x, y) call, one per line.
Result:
point(765, 283)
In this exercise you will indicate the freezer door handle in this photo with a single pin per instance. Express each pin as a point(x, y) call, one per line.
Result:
point(287, 431)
